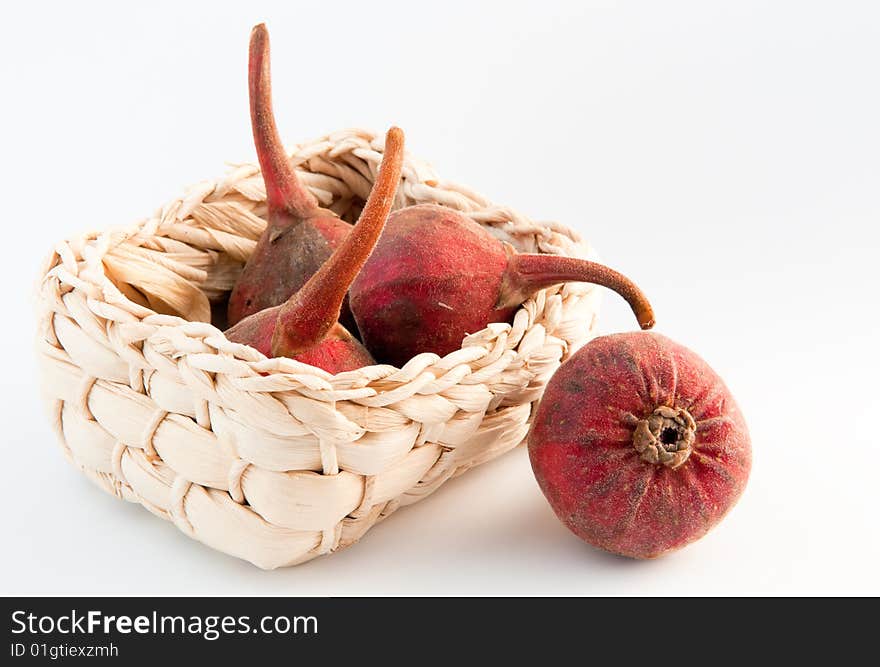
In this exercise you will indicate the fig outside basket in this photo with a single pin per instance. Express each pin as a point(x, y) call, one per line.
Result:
point(271, 460)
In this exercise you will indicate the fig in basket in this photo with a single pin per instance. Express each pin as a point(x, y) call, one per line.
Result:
point(300, 235)
point(437, 276)
point(638, 445)
point(306, 326)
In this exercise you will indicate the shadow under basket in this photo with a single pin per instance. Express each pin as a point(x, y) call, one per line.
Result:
point(271, 460)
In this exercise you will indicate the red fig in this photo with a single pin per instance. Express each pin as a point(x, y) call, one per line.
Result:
point(299, 234)
point(437, 276)
point(638, 445)
point(305, 327)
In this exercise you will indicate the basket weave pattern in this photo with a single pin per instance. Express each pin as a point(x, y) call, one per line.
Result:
point(271, 460)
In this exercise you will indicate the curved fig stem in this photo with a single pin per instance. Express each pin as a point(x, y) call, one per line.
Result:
point(310, 313)
point(526, 274)
point(284, 192)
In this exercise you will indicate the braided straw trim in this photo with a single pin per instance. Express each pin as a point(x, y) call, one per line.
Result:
point(271, 460)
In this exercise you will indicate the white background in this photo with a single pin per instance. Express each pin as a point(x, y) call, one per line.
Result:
point(726, 155)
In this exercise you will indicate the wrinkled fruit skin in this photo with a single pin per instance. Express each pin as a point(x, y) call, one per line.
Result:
point(459, 267)
point(581, 446)
point(338, 352)
point(285, 257)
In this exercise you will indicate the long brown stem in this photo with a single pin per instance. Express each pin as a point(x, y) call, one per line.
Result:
point(284, 192)
point(526, 274)
point(310, 313)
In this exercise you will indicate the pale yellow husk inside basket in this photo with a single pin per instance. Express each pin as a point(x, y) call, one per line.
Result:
point(271, 460)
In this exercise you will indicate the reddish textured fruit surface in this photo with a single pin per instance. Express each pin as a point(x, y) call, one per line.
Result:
point(305, 327)
point(336, 352)
point(300, 235)
point(638, 445)
point(436, 276)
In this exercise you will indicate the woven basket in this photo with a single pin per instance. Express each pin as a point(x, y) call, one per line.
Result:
point(271, 460)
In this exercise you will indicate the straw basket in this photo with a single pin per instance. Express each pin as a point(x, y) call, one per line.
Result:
point(271, 460)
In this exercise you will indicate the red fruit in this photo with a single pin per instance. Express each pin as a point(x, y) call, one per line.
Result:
point(299, 234)
point(437, 276)
point(638, 445)
point(305, 327)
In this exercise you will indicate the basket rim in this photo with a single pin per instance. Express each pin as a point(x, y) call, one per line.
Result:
point(62, 271)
